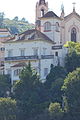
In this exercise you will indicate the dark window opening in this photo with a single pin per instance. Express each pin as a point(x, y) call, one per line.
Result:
point(73, 35)
point(42, 12)
point(56, 53)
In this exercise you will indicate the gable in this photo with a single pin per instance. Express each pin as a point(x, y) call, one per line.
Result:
point(71, 16)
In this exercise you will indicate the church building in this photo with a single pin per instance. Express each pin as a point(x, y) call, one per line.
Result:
point(59, 29)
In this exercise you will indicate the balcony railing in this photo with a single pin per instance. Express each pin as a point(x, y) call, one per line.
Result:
point(21, 58)
point(47, 56)
point(33, 57)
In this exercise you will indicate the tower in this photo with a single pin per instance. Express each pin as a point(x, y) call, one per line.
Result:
point(41, 10)
point(62, 11)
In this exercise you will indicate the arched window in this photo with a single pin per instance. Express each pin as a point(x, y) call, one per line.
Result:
point(42, 12)
point(57, 26)
point(73, 34)
point(47, 26)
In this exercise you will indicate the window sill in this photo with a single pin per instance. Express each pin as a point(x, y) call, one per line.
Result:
point(47, 30)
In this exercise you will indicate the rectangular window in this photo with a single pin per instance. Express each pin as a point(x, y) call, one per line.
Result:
point(10, 53)
point(45, 72)
point(2, 63)
point(17, 72)
point(44, 51)
point(35, 51)
point(56, 53)
point(9, 71)
point(22, 52)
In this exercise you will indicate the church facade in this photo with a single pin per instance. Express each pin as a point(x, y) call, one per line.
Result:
point(58, 29)
point(43, 45)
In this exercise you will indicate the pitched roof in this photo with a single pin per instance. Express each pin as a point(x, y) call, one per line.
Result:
point(28, 35)
point(50, 14)
point(19, 65)
point(73, 13)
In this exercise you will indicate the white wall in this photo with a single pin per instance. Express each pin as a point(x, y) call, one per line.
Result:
point(68, 24)
point(53, 34)
point(28, 46)
point(40, 64)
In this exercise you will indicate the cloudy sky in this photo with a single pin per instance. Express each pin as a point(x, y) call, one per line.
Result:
point(26, 8)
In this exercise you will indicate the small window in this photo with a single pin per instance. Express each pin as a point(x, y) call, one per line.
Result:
point(57, 27)
point(45, 72)
point(22, 52)
point(47, 26)
point(17, 72)
point(42, 12)
point(9, 71)
point(35, 51)
point(2, 49)
point(44, 51)
point(10, 53)
point(56, 53)
point(2, 63)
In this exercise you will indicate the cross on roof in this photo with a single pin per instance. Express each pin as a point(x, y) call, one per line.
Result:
point(74, 6)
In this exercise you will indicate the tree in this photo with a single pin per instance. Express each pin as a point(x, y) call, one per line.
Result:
point(28, 93)
point(23, 20)
point(71, 89)
point(1, 19)
point(73, 46)
point(8, 109)
point(72, 59)
point(15, 18)
point(54, 81)
point(5, 85)
point(55, 90)
point(55, 111)
point(55, 73)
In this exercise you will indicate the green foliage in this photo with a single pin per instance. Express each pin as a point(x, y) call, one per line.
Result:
point(28, 79)
point(55, 73)
point(8, 109)
point(17, 26)
point(5, 85)
point(1, 20)
point(29, 93)
point(73, 46)
point(53, 83)
point(71, 88)
point(72, 59)
point(16, 18)
point(55, 90)
point(55, 111)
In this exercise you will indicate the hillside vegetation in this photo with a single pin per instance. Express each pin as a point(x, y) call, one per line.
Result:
point(15, 25)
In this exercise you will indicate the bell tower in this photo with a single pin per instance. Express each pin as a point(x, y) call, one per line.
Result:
point(41, 8)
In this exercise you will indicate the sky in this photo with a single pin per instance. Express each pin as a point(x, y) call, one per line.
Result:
point(26, 8)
